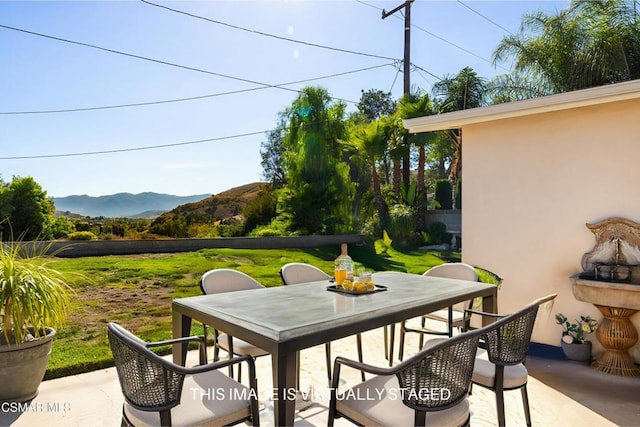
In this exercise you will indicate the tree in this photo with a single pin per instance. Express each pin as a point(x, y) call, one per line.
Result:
point(460, 92)
point(271, 152)
point(412, 106)
point(371, 140)
point(375, 104)
point(591, 43)
point(318, 194)
point(25, 208)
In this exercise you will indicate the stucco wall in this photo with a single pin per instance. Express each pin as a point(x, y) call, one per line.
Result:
point(531, 184)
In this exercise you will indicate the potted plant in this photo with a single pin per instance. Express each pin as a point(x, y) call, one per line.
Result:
point(574, 337)
point(33, 301)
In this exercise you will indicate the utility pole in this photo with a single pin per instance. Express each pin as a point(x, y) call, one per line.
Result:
point(406, 169)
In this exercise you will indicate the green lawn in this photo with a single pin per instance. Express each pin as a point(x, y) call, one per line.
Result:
point(136, 291)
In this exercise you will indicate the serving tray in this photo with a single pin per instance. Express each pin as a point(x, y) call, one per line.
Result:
point(341, 290)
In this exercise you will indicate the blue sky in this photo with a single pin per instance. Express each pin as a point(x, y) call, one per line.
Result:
point(41, 74)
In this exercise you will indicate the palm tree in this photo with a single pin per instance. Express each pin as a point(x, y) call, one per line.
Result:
point(460, 92)
point(412, 106)
point(591, 43)
point(371, 140)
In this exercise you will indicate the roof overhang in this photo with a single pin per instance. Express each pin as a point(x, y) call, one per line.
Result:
point(563, 101)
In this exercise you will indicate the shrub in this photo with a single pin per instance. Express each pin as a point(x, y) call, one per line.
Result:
point(82, 235)
point(443, 193)
point(438, 233)
point(459, 194)
point(402, 223)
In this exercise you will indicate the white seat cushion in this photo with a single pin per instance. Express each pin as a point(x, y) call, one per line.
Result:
point(484, 373)
point(443, 316)
point(378, 402)
point(241, 347)
point(210, 398)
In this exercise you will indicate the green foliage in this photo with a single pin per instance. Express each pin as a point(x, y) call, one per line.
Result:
point(402, 227)
point(82, 235)
point(443, 193)
point(438, 233)
point(459, 194)
point(319, 194)
point(58, 228)
point(32, 294)
point(272, 152)
point(170, 225)
point(409, 193)
point(591, 43)
point(576, 332)
point(374, 104)
point(25, 209)
point(260, 211)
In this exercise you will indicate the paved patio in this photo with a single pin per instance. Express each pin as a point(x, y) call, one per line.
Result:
point(95, 399)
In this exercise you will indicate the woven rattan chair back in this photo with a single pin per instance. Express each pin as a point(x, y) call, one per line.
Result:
point(146, 383)
point(508, 343)
point(446, 370)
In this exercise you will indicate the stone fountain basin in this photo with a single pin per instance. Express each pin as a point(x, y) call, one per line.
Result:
point(610, 294)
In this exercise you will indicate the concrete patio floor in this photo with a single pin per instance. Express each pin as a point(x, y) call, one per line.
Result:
point(561, 393)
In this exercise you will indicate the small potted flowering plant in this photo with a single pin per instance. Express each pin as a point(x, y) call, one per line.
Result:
point(574, 336)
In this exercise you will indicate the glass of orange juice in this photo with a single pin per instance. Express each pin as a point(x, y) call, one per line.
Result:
point(340, 275)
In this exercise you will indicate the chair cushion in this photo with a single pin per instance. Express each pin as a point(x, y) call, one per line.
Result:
point(241, 347)
point(443, 316)
point(377, 401)
point(484, 373)
point(430, 343)
point(208, 398)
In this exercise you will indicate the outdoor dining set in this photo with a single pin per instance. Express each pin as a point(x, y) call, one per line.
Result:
point(248, 320)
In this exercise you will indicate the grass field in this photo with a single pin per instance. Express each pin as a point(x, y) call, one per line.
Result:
point(136, 291)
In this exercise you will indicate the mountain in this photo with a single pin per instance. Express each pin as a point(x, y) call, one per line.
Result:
point(226, 204)
point(123, 204)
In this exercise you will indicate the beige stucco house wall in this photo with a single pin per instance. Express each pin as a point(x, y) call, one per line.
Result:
point(534, 172)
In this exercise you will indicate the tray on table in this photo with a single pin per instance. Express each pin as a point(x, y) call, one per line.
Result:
point(341, 290)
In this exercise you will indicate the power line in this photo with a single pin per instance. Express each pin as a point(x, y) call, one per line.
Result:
point(140, 104)
point(158, 61)
point(437, 37)
point(124, 150)
point(268, 34)
point(484, 17)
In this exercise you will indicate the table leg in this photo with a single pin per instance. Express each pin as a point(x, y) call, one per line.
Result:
point(285, 391)
point(181, 328)
point(489, 305)
point(617, 335)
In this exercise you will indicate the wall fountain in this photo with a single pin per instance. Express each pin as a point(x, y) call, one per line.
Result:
point(611, 281)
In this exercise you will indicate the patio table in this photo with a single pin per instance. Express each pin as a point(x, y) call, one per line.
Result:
point(286, 319)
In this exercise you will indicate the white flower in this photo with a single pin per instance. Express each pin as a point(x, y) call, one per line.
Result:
point(586, 328)
point(568, 339)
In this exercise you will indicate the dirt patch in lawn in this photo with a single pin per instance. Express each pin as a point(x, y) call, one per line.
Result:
point(132, 306)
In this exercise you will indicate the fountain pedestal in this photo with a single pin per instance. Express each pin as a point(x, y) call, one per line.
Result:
point(617, 302)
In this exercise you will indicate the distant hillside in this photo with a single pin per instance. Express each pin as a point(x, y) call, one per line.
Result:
point(217, 207)
point(123, 204)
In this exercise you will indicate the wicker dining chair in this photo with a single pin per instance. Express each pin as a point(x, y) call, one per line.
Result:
point(431, 386)
point(159, 392)
point(452, 316)
point(502, 366)
point(229, 280)
point(294, 273)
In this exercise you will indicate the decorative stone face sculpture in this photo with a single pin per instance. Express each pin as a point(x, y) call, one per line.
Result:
point(617, 247)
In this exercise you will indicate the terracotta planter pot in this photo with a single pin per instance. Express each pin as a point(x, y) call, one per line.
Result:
point(22, 368)
point(580, 352)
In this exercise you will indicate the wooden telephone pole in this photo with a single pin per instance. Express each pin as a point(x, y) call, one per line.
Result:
point(406, 167)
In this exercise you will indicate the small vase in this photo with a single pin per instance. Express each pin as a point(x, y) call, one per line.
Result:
point(580, 352)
